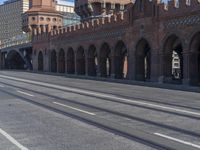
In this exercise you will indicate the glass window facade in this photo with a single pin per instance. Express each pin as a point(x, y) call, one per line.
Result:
point(69, 16)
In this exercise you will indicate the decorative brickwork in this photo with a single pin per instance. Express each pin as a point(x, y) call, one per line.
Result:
point(136, 43)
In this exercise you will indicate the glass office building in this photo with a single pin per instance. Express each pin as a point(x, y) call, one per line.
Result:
point(67, 9)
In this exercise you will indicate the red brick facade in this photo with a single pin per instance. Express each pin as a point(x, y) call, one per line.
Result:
point(139, 39)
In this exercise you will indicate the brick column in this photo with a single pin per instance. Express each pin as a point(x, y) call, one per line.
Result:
point(193, 74)
point(35, 61)
point(86, 64)
point(155, 65)
point(112, 65)
point(75, 63)
point(49, 59)
point(161, 69)
point(66, 61)
point(131, 65)
point(57, 61)
point(1, 61)
point(98, 66)
point(186, 61)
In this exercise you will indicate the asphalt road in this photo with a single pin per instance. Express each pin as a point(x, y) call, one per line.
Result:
point(45, 112)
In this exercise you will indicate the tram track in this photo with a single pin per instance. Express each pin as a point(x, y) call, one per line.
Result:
point(141, 98)
point(19, 85)
point(121, 114)
point(127, 132)
point(136, 102)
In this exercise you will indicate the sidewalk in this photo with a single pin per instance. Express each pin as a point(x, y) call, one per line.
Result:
point(179, 87)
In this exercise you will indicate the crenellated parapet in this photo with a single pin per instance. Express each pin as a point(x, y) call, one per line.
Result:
point(179, 13)
point(178, 7)
point(84, 27)
point(174, 13)
point(159, 9)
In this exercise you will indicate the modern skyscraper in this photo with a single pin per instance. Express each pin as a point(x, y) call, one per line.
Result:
point(11, 20)
point(67, 10)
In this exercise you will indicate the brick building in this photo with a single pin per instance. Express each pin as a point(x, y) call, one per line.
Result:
point(125, 40)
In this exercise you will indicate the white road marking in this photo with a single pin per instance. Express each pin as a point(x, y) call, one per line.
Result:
point(178, 140)
point(25, 93)
point(163, 107)
point(83, 111)
point(11, 139)
point(102, 95)
point(2, 86)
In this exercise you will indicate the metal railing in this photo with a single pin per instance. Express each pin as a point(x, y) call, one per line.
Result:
point(16, 40)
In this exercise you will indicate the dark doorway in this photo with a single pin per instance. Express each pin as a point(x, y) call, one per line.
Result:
point(143, 61)
point(173, 60)
point(70, 61)
point(121, 61)
point(105, 60)
point(92, 61)
point(80, 61)
point(15, 61)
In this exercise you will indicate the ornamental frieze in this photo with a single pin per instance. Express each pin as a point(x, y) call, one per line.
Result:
point(189, 20)
point(100, 35)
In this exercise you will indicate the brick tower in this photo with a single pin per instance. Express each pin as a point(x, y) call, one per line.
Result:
point(87, 9)
point(42, 16)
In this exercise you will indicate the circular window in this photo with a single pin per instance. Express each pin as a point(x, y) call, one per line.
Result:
point(41, 18)
point(48, 19)
point(54, 19)
point(33, 18)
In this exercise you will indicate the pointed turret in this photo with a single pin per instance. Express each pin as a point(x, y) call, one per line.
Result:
point(42, 17)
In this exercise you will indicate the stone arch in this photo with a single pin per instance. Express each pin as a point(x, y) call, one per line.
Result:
point(40, 61)
point(70, 61)
point(53, 61)
point(173, 59)
point(61, 61)
point(143, 60)
point(80, 61)
point(92, 61)
point(15, 61)
point(194, 59)
point(121, 60)
point(105, 60)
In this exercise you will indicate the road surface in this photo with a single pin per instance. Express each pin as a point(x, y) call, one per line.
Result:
point(46, 112)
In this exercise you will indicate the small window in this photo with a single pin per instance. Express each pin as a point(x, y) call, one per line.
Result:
point(54, 19)
point(41, 18)
point(33, 18)
point(48, 19)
